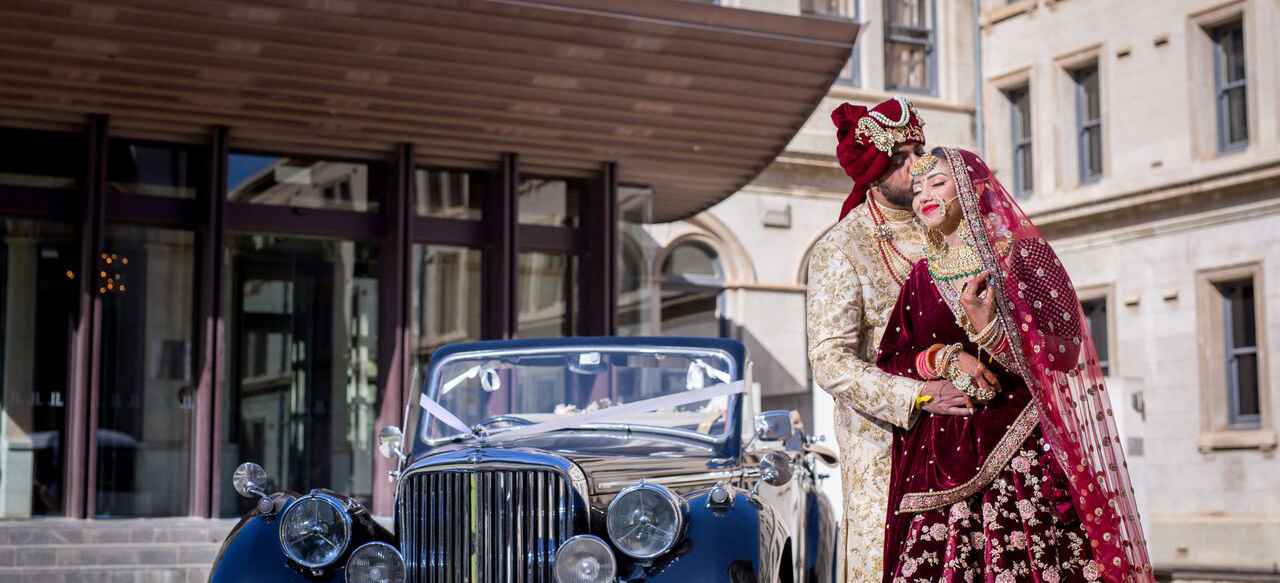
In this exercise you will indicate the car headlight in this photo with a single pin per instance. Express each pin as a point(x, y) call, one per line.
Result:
point(375, 562)
point(315, 530)
point(646, 520)
point(585, 559)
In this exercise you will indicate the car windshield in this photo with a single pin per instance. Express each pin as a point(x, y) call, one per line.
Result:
point(497, 391)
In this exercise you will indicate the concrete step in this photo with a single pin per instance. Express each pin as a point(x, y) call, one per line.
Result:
point(166, 550)
point(86, 555)
point(101, 574)
point(62, 532)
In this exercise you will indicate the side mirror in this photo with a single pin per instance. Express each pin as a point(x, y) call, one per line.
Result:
point(774, 426)
point(251, 481)
point(390, 440)
point(775, 470)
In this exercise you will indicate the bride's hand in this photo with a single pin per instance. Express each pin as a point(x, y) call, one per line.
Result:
point(978, 300)
point(983, 376)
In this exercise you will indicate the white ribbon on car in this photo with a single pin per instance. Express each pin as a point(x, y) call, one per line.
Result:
point(446, 416)
point(607, 414)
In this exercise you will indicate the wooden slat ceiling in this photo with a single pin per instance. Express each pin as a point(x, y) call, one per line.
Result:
point(691, 99)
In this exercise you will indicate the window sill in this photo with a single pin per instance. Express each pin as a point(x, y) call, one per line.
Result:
point(1263, 439)
point(1002, 13)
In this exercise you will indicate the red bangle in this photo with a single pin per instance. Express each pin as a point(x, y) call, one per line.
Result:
point(922, 365)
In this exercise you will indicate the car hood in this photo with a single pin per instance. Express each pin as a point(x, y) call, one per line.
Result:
point(610, 460)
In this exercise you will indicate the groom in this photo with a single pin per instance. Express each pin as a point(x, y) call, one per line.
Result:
point(855, 273)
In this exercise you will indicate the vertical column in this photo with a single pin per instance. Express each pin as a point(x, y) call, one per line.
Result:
point(210, 334)
point(393, 316)
point(78, 475)
point(501, 254)
point(598, 276)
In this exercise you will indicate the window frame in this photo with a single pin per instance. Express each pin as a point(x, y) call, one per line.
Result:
point(1086, 126)
point(1019, 144)
point(1231, 352)
point(1222, 88)
point(1218, 429)
point(1106, 294)
point(911, 35)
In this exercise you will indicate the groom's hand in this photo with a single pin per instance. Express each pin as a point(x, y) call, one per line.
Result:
point(947, 399)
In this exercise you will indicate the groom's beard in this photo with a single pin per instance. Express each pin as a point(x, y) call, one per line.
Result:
point(898, 198)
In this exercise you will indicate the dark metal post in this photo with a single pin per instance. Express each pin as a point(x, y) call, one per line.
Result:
point(501, 258)
point(78, 474)
point(210, 334)
point(393, 316)
point(599, 275)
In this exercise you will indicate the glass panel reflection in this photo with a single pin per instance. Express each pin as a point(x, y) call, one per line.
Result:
point(40, 159)
point(448, 194)
point(446, 300)
point(37, 309)
point(300, 182)
point(302, 396)
point(549, 201)
point(146, 280)
point(637, 252)
point(156, 169)
point(546, 295)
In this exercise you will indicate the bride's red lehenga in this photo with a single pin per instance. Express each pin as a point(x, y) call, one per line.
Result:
point(1033, 486)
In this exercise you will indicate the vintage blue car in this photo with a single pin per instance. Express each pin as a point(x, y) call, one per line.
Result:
point(578, 460)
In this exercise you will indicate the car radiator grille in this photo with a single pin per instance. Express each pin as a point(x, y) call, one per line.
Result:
point(483, 525)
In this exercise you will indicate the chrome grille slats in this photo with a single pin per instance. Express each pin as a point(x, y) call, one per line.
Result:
point(483, 525)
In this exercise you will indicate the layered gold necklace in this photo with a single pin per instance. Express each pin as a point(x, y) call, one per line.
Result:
point(947, 263)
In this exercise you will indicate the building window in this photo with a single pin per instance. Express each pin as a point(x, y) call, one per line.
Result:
point(1233, 364)
point(851, 74)
point(909, 46)
point(1229, 82)
point(1240, 337)
point(1020, 121)
point(1089, 122)
point(1095, 310)
point(692, 292)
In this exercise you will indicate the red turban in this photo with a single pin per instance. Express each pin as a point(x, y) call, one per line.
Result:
point(866, 139)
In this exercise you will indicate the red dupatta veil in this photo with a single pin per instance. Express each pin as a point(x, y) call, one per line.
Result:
point(1054, 351)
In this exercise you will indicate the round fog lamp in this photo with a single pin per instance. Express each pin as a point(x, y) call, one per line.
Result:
point(314, 531)
point(585, 559)
point(375, 563)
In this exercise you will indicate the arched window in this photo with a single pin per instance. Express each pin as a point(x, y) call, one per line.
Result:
point(692, 291)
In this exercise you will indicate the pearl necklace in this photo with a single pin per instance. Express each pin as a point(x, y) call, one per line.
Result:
point(894, 260)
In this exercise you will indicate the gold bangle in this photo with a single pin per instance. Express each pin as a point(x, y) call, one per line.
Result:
point(992, 328)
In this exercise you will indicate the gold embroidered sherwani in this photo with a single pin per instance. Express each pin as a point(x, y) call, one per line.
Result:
point(851, 293)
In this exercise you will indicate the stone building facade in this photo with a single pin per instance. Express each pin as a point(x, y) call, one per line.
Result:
point(1142, 138)
point(1153, 140)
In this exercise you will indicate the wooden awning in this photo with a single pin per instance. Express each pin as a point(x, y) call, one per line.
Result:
point(690, 99)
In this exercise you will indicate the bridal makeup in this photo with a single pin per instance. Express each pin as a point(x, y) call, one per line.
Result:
point(935, 200)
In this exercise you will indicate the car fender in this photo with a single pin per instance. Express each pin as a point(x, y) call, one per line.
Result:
point(251, 552)
point(743, 543)
point(821, 539)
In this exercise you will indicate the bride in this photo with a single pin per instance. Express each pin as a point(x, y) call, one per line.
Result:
point(1033, 486)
